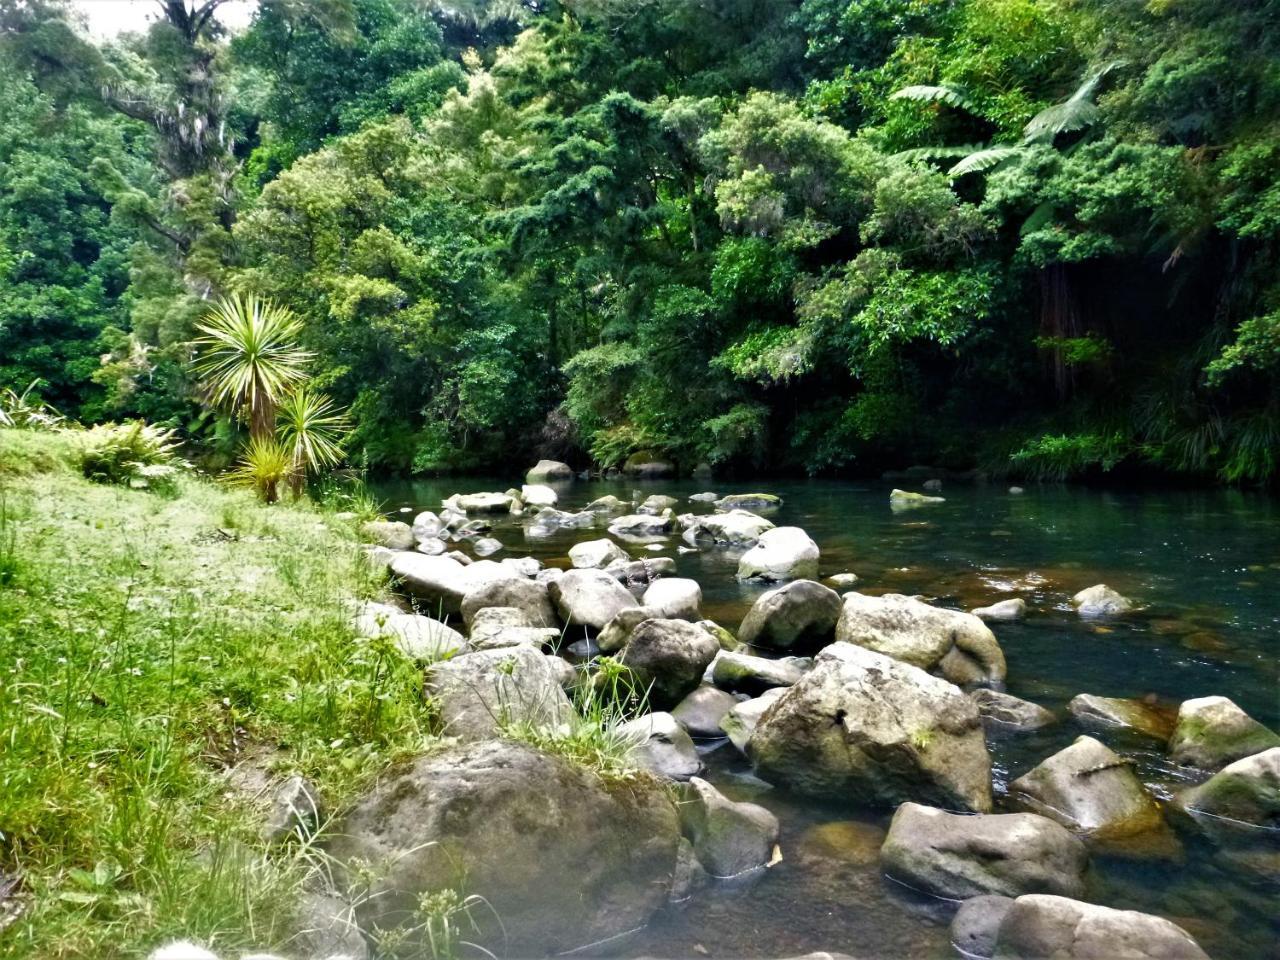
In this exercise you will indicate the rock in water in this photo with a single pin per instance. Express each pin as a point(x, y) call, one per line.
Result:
point(545, 470)
point(1041, 925)
point(1088, 789)
point(662, 746)
point(561, 856)
point(538, 495)
point(675, 598)
point(486, 546)
point(739, 528)
point(1005, 712)
point(729, 839)
point(959, 856)
point(440, 583)
point(478, 694)
point(976, 925)
point(702, 711)
point(530, 597)
point(1212, 732)
point(908, 498)
point(1247, 791)
point(802, 614)
point(741, 721)
point(956, 644)
point(596, 554)
point(646, 464)
point(1101, 601)
point(865, 728)
point(1014, 609)
point(668, 657)
point(1111, 713)
point(656, 504)
point(748, 501)
point(590, 598)
point(743, 673)
point(783, 553)
point(481, 502)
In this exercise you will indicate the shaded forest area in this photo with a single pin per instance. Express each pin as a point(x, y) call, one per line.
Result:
point(1031, 236)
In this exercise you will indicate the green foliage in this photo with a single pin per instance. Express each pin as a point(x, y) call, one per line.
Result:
point(1062, 456)
point(265, 465)
point(137, 455)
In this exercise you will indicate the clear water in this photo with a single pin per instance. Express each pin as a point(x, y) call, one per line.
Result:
point(1204, 564)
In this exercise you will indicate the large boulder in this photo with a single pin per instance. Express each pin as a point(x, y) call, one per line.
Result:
point(1003, 712)
point(480, 694)
point(783, 553)
point(1247, 791)
point(1040, 926)
point(865, 728)
point(1115, 713)
point(1212, 731)
point(596, 554)
point(441, 583)
point(589, 598)
point(417, 637)
point(1101, 601)
point(481, 502)
point(738, 528)
point(743, 673)
point(538, 495)
point(957, 645)
point(1090, 790)
point(392, 534)
point(702, 711)
point(798, 615)
point(741, 720)
point(957, 856)
point(530, 597)
point(729, 839)
point(656, 503)
point(668, 658)
point(494, 627)
point(662, 746)
point(545, 470)
point(560, 857)
point(675, 598)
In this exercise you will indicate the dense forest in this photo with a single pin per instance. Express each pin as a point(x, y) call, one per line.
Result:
point(1039, 237)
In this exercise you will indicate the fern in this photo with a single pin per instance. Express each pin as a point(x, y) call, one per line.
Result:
point(983, 161)
point(925, 93)
point(925, 154)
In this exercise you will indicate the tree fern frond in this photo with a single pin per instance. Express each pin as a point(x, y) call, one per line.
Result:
point(1065, 117)
point(925, 154)
point(983, 160)
point(1037, 219)
point(941, 93)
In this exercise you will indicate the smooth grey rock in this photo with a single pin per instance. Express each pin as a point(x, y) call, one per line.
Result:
point(783, 553)
point(862, 727)
point(798, 615)
point(486, 546)
point(702, 711)
point(668, 657)
point(538, 495)
point(1212, 732)
point(640, 572)
point(524, 566)
point(442, 582)
point(1043, 926)
point(1246, 791)
point(675, 598)
point(495, 627)
point(957, 645)
point(607, 504)
point(843, 582)
point(657, 503)
point(738, 528)
point(480, 694)
point(730, 839)
point(743, 673)
point(741, 721)
point(392, 534)
point(545, 470)
point(427, 525)
point(531, 598)
point(642, 524)
point(327, 928)
point(1111, 713)
point(417, 637)
point(1012, 609)
point(900, 498)
point(1088, 789)
point(1003, 711)
point(662, 746)
point(749, 501)
point(707, 497)
point(1101, 601)
point(976, 925)
point(596, 554)
point(561, 856)
point(589, 598)
point(432, 547)
point(295, 811)
point(480, 502)
point(617, 631)
point(959, 856)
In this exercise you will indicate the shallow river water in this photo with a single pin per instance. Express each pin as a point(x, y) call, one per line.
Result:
point(1205, 566)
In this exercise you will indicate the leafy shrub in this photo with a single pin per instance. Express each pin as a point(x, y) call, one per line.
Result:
point(1063, 456)
point(26, 412)
point(265, 465)
point(133, 454)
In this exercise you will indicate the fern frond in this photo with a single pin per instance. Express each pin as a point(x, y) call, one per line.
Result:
point(983, 161)
point(1065, 117)
point(941, 93)
point(925, 154)
point(1036, 219)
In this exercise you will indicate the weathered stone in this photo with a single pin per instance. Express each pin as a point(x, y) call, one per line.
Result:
point(549, 520)
point(1111, 713)
point(656, 504)
point(662, 746)
point(530, 597)
point(706, 497)
point(701, 712)
point(392, 534)
point(617, 631)
point(668, 657)
point(442, 582)
point(729, 839)
point(495, 627)
point(675, 598)
point(427, 525)
point(480, 502)
point(545, 470)
point(1013, 609)
point(690, 875)
point(486, 546)
point(749, 501)
point(741, 721)
point(561, 856)
point(739, 528)
point(783, 553)
point(1101, 601)
point(910, 498)
point(607, 504)
point(432, 547)
point(1003, 711)
point(596, 554)
point(642, 525)
point(640, 572)
point(1040, 926)
point(976, 925)
point(799, 615)
point(479, 694)
point(843, 582)
point(956, 644)
point(1247, 791)
point(589, 598)
point(524, 566)
point(295, 811)
point(1088, 789)
point(743, 673)
point(864, 727)
point(1212, 732)
point(959, 856)
point(417, 637)
point(723, 637)
point(538, 495)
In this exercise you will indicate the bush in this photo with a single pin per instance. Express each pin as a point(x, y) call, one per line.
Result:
point(133, 454)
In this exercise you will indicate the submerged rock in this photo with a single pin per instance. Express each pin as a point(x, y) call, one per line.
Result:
point(561, 856)
point(1003, 711)
point(1247, 791)
point(1039, 926)
point(801, 614)
point(783, 553)
point(1013, 609)
point(675, 598)
point(749, 501)
point(743, 673)
point(866, 728)
point(1212, 732)
point(479, 694)
point(589, 598)
point(730, 839)
point(1088, 789)
point(662, 746)
point(959, 856)
point(545, 470)
point(956, 644)
point(668, 657)
point(392, 534)
point(1113, 713)
point(596, 554)
point(1101, 601)
point(702, 711)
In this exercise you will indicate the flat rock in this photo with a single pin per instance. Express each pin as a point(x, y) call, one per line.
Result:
point(743, 673)
point(749, 501)
point(481, 502)
point(1042, 926)
point(442, 582)
point(417, 637)
point(642, 524)
point(1113, 713)
point(739, 528)
point(1005, 712)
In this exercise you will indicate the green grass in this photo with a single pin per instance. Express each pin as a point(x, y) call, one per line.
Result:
point(146, 644)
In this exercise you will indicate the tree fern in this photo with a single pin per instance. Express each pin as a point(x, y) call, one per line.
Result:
point(983, 160)
point(941, 93)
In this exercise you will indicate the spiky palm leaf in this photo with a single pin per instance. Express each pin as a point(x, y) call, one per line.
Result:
point(983, 160)
point(311, 426)
point(936, 93)
point(249, 357)
point(265, 464)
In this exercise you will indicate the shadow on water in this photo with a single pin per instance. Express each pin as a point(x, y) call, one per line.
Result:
point(1205, 565)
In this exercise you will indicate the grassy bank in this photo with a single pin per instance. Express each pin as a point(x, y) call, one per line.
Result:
point(148, 644)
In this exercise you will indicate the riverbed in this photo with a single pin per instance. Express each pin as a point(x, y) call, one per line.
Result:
point(1203, 565)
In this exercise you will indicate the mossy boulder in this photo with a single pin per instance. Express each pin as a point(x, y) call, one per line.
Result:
point(1247, 791)
point(1212, 732)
